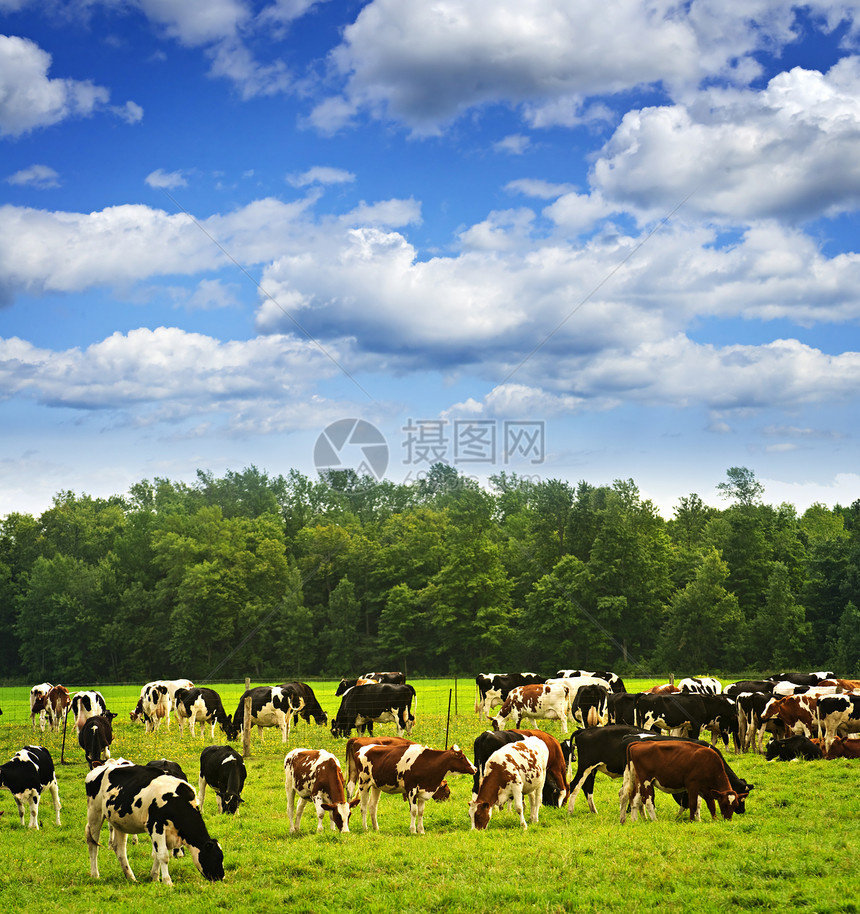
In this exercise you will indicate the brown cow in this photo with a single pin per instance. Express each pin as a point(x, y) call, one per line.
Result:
point(535, 702)
point(796, 713)
point(316, 775)
point(676, 766)
point(666, 689)
point(56, 705)
point(415, 771)
point(842, 747)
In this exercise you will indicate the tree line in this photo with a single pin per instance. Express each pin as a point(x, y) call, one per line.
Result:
point(282, 577)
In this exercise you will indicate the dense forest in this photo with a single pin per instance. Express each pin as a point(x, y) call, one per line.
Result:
point(282, 577)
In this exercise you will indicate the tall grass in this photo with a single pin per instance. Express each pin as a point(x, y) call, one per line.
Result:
point(797, 847)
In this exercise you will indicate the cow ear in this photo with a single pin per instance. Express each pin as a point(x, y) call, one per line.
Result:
point(328, 807)
point(354, 802)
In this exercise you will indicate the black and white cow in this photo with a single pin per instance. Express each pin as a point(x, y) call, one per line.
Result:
point(222, 769)
point(375, 703)
point(26, 775)
point(203, 705)
point(95, 738)
point(616, 683)
point(621, 707)
point(838, 715)
point(311, 708)
point(697, 685)
point(136, 799)
point(153, 705)
point(680, 714)
point(271, 706)
point(493, 688)
point(590, 706)
point(166, 766)
point(803, 679)
point(89, 704)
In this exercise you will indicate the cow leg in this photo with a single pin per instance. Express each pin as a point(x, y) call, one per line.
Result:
point(535, 798)
point(375, 794)
point(118, 844)
point(416, 808)
point(55, 796)
point(585, 784)
point(517, 802)
point(300, 808)
point(160, 859)
point(201, 793)
point(93, 831)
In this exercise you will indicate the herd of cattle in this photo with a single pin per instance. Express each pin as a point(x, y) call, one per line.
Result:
point(648, 739)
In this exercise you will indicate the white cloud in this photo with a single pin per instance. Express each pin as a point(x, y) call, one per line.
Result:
point(40, 176)
point(536, 187)
point(130, 112)
point(321, 174)
point(515, 144)
point(29, 99)
point(166, 179)
point(787, 151)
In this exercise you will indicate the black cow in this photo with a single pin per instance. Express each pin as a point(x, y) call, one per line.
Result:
point(26, 775)
point(222, 768)
point(205, 706)
point(376, 702)
point(589, 705)
point(784, 750)
point(621, 707)
point(803, 679)
point(311, 708)
point(488, 742)
point(137, 799)
point(493, 688)
point(271, 706)
point(165, 766)
point(95, 738)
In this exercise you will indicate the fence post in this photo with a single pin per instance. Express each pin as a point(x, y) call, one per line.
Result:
point(448, 722)
point(246, 729)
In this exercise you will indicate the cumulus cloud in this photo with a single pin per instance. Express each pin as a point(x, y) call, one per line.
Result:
point(166, 179)
point(30, 99)
point(787, 151)
point(424, 65)
point(168, 374)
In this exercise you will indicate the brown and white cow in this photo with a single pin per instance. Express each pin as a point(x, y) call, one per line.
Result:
point(675, 766)
point(316, 776)
point(415, 771)
point(843, 747)
point(493, 688)
point(796, 713)
point(56, 705)
point(512, 773)
point(535, 702)
point(39, 703)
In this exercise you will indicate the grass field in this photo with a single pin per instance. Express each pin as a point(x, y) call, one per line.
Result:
point(797, 847)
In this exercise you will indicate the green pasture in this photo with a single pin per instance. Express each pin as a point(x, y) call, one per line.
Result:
point(797, 847)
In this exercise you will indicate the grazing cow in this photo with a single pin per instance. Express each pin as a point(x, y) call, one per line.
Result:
point(311, 707)
point(39, 703)
point(534, 702)
point(89, 704)
point(415, 771)
point(95, 738)
point(750, 707)
point(555, 786)
point(786, 750)
point(701, 686)
point(841, 747)
point(748, 685)
point(838, 715)
point(203, 705)
point(590, 705)
point(392, 678)
point(493, 688)
point(675, 766)
point(26, 775)
point(511, 773)
point(271, 706)
point(153, 705)
point(375, 703)
point(316, 775)
point(222, 769)
point(165, 766)
point(616, 683)
point(136, 799)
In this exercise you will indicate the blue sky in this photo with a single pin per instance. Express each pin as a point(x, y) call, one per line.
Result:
point(227, 224)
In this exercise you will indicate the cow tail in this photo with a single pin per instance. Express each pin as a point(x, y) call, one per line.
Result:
point(414, 701)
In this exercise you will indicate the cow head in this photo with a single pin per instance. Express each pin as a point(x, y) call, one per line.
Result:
point(480, 814)
point(459, 764)
point(729, 801)
point(231, 731)
point(443, 793)
point(209, 859)
point(340, 813)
